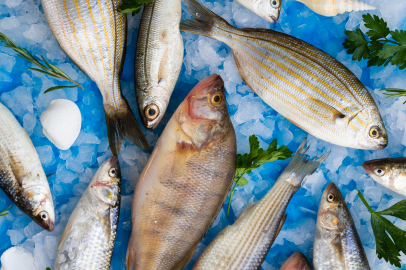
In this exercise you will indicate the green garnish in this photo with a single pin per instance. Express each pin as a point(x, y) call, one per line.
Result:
point(256, 157)
point(47, 69)
point(394, 92)
point(3, 213)
point(133, 6)
point(387, 247)
point(48, 268)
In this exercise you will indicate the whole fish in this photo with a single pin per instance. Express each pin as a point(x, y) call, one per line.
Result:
point(245, 244)
point(297, 261)
point(185, 182)
point(93, 35)
point(336, 242)
point(21, 175)
point(87, 241)
point(267, 9)
point(389, 172)
point(304, 84)
point(158, 59)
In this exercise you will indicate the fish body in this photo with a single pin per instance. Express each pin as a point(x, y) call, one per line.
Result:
point(302, 83)
point(336, 242)
point(158, 59)
point(297, 261)
point(88, 239)
point(389, 172)
point(93, 35)
point(22, 177)
point(185, 182)
point(245, 244)
point(267, 9)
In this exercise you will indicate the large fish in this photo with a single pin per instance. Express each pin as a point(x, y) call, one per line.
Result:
point(87, 241)
point(336, 242)
point(267, 9)
point(297, 261)
point(158, 59)
point(93, 35)
point(21, 175)
point(245, 244)
point(304, 84)
point(185, 182)
point(389, 172)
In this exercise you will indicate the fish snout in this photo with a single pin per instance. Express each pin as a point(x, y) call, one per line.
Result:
point(272, 19)
point(367, 167)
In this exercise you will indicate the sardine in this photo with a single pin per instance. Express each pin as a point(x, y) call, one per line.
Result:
point(245, 244)
point(88, 239)
point(389, 172)
point(267, 9)
point(297, 261)
point(93, 35)
point(22, 177)
point(302, 83)
point(185, 182)
point(336, 242)
point(158, 59)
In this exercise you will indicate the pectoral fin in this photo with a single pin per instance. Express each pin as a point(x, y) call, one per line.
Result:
point(328, 112)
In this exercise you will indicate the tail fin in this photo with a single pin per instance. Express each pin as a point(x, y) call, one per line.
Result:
point(120, 125)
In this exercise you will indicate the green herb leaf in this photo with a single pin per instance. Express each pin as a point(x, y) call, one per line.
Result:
point(397, 210)
point(48, 268)
point(133, 6)
point(4, 212)
point(379, 28)
point(356, 44)
point(58, 87)
point(394, 92)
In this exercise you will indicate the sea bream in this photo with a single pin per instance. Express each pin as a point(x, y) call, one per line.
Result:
point(93, 35)
point(22, 177)
point(185, 182)
point(267, 9)
point(297, 261)
point(302, 83)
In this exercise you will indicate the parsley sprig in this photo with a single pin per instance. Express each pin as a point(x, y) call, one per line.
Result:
point(254, 159)
point(4, 212)
point(387, 247)
point(133, 6)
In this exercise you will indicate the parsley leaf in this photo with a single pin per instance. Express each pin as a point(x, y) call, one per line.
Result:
point(379, 28)
point(4, 212)
point(133, 6)
point(254, 159)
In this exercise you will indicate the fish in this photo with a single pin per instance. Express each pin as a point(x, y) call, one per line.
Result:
point(267, 9)
point(93, 36)
point(297, 261)
point(336, 242)
point(185, 181)
point(22, 177)
point(333, 7)
point(158, 59)
point(389, 172)
point(302, 83)
point(245, 244)
point(88, 239)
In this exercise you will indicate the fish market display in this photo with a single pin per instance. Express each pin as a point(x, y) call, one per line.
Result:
point(297, 261)
point(21, 175)
point(158, 59)
point(389, 172)
point(89, 236)
point(336, 242)
point(94, 38)
point(334, 7)
point(301, 82)
point(267, 9)
point(61, 123)
point(185, 182)
point(245, 244)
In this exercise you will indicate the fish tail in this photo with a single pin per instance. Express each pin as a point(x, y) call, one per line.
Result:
point(130, 254)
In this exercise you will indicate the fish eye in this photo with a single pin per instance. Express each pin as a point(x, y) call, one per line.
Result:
point(374, 132)
point(330, 197)
point(275, 3)
point(379, 172)
point(113, 172)
point(151, 112)
point(216, 99)
point(44, 215)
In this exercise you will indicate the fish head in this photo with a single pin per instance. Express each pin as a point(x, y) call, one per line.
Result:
point(268, 9)
point(41, 206)
point(296, 261)
point(152, 108)
point(379, 169)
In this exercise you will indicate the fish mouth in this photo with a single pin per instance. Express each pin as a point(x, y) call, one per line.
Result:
point(272, 19)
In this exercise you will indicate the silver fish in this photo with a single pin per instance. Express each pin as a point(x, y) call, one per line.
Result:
point(297, 261)
point(88, 239)
point(21, 175)
point(158, 59)
point(267, 9)
point(336, 242)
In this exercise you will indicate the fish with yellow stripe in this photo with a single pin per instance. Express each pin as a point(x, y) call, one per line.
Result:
point(304, 84)
point(93, 35)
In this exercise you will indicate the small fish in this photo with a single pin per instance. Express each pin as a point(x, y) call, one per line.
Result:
point(302, 83)
point(336, 242)
point(22, 177)
point(158, 59)
point(87, 241)
point(389, 172)
point(245, 244)
point(297, 261)
point(93, 35)
point(267, 9)
point(185, 182)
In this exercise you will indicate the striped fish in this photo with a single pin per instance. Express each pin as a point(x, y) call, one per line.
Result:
point(93, 35)
point(307, 86)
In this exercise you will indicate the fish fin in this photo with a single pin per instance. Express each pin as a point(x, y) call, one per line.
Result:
point(242, 75)
point(281, 224)
point(120, 125)
point(130, 257)
point(326, 110)
point(247, 207)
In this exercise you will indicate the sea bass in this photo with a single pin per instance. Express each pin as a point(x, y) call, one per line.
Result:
point(304, 84)
point(158, 59)
point(245, 244)
point(185, 182)
point(297, 261)
point(21, 175)
point(389, 172)
point(93, 35)
point(336, 242)
point(89, 236)
point(267, 9)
